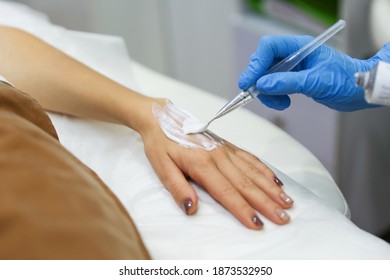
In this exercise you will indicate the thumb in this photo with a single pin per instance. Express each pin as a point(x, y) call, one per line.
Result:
point(181, 190)
point(175, 182)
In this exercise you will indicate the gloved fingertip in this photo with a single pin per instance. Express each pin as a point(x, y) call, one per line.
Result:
point(279, 103)
point(243, 85)
point(244, 81)
point(285, 101)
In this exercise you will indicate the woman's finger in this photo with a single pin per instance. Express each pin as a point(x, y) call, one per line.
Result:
point(265, 183)
point(250, 185)
point(255, 161)
point(175, 182)
point(202, 169)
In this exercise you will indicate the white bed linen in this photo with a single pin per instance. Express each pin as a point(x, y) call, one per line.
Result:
point(319, 228)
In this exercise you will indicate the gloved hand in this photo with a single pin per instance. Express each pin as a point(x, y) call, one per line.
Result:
point(325, 75)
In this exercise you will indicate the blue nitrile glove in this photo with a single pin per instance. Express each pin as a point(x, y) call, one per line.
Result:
point(325, 75)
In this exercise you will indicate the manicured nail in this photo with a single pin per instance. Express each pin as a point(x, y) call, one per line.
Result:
point(282, 214)
point(187, 204)
point(256, 220)
point(278, 182)
point(286, 199)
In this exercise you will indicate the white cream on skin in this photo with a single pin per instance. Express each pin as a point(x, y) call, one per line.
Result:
point(178, 125)
point(193, 125)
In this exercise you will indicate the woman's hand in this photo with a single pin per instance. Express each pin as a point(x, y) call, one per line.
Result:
point(236, 179)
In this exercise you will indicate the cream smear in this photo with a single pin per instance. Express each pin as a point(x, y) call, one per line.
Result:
point(176, 124)
point(193, 125)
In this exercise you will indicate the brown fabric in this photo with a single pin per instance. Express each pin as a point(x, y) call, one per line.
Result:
point(51, 205)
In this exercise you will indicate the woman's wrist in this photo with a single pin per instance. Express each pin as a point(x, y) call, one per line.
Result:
point(137, 114)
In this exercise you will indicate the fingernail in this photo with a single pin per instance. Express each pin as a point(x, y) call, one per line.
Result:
point(282, 214)
point(278, 182)
point(286, 199)
point(256, 220)
point(187, 204)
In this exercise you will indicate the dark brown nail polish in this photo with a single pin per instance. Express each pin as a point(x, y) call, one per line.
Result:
point(187, 204)
point(256, 220)
point(278, 182)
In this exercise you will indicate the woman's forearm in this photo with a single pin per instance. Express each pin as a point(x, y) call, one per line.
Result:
point(62, 84)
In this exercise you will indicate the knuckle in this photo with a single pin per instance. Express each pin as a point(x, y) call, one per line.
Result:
point(203, 159)
point(247, 156)
point(224, 193)
point(251, 170)
point(221, 152)
point(246, 184)
point(239, 153)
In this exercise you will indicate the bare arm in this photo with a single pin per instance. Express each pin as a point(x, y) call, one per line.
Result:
point(62, 84)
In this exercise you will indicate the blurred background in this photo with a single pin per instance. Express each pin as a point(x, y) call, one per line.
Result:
point(207, 43)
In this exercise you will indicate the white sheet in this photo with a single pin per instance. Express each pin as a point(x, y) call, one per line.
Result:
point(318, 230)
